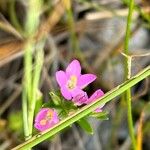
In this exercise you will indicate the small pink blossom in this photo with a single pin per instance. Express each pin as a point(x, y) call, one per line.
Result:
point(82, 98)
point(45, 119)
point(71, 81)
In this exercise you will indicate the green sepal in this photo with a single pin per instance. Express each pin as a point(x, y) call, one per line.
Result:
point(55, 98)
point(50, 104)
point(69, 105)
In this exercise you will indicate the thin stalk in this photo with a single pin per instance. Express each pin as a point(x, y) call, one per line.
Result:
point(128, 31)
point(127, 69)
point(13, 16)
point(85, 110)
point(32, 20)
point(27, 88)
point(25, 115)
point(70, 19)
point(30, 78)
point(31, 27)
point(36, 77)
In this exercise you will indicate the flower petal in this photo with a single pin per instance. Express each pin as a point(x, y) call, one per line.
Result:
point(66, 93)
point(85, 79)
point(42, 128)
point(97, 94)
point(61, 78)
point(80, 99)
point(41, 114)
point(74, 68)
point(55, 117)
point(76, 91)
point(38, 126)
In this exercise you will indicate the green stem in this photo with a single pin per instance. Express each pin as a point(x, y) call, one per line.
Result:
point(129, 105)
point(27, 87)
point(25, 115)
point(32, 21)
point(74, 41)
point(36, 77)
point(127, 69)
point(84, 111)
point(13, 16)
point(129, 20)
point(31, 78)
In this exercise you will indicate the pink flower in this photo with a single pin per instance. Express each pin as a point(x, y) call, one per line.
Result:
point(45, 119)
point(71, 81)
point(82, 98)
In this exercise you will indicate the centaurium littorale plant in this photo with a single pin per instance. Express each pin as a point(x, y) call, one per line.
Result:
point(71, 84)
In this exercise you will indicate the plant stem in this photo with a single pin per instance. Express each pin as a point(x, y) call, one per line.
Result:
point(71, 24)
point(129, 105)
point(36, 77)
point(129, 20)
point(85, 110)
point(25, 114)
point(26, 95)
point(13, 16)
point(127, 70)
point(30, 81)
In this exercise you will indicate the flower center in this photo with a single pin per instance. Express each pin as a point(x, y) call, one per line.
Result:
point(72, 82)
point(47, 118)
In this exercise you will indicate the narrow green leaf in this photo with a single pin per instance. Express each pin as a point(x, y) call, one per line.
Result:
point(85, 125)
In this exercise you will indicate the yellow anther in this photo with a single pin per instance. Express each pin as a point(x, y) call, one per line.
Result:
point(43, 122)
point(49, 115)
point(47, 118)
point(72, 82)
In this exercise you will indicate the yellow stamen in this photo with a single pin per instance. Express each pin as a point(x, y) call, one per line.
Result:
point(43, 122)
point(72, 82)
point(49, 115)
